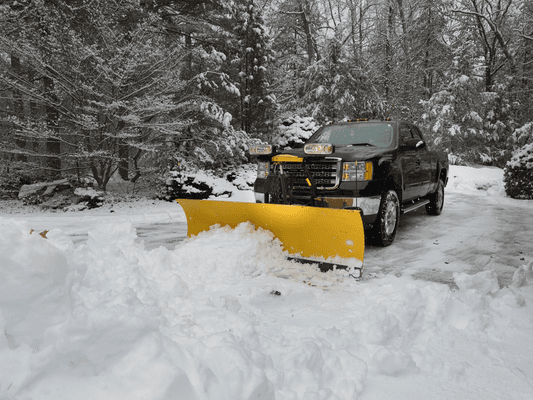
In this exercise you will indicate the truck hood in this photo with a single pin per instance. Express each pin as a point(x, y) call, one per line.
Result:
point(351, 153)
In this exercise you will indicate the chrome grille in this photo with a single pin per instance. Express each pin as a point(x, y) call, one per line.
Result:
point(326, 174)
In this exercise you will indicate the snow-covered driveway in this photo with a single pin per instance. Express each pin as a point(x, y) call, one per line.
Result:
point(474, 233)
point(91, 313)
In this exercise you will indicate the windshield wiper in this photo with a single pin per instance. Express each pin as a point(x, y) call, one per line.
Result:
point(361, 144)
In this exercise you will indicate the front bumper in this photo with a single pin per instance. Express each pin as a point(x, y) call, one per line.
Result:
point(368, 205)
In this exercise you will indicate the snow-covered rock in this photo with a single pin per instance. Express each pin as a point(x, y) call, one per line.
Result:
point(43, 188)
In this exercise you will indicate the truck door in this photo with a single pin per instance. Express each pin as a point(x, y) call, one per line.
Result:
point(425, 166)
point(410, 163)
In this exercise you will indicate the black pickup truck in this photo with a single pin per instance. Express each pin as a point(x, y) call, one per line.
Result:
point(383, 168)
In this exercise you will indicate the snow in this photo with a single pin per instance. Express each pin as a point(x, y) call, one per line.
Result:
point(294, 129)
point(523, 157)
point(225, 316)
point(480, 181)
point(87, 192)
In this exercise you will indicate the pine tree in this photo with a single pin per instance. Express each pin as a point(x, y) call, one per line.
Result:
point(251, 57)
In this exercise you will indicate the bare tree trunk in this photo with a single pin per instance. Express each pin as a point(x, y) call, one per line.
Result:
point(311, 54)
point(53, 146)
point(34, 111)
point(123, 165)
point(361, 14)
point(136, 166)
point(18, 109)
point(357, 46)
point(405, 43)
point(428, 73)
point(388, 50)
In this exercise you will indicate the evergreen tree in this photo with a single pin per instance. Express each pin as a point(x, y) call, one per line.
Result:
point(251, 58)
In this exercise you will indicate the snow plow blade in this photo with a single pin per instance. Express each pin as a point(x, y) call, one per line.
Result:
point(326, 236)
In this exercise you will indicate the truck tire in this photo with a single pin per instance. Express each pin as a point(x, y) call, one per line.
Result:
point(436, 200)
point(388, 219)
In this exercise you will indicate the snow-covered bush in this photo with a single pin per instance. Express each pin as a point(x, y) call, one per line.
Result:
point(181, 185)
point(242, 177)
point(90, 197)
point(33, 199)
point(523, 135)
point(294, 130)
point(518, 175)
point(9, 186)
point(187, 183)
point(13, 178)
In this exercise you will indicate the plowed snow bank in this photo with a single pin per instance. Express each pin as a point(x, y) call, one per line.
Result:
point(109, 319)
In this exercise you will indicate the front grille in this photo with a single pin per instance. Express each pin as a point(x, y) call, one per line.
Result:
point(326, 174)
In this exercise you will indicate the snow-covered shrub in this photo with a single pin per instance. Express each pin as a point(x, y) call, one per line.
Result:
point(242, 177)
point(294, 130)
point(12, 179)
point(90, 197)
point(180, 185)
point(10, 186)
point(187, 183)
point(523, 135)
point(518, 175)
point(33, 199)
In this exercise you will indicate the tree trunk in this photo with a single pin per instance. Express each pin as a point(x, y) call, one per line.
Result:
point(123, 165)
point(388, 51)
point(53, 146)
point(307, 29)
point(34, 110)
point(428, 71)
point(18, 109)
point(405, 43)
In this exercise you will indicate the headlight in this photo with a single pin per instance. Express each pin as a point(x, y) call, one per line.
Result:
point(262, 169)
point(262, 149)
point(318, 148)
point(357, 171)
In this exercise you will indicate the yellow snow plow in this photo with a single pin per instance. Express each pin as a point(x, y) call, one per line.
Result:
point(326, 236)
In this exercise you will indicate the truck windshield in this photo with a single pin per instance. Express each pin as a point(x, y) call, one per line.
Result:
point(379, 135)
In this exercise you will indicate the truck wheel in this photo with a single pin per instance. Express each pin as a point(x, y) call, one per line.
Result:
point(388, 218)
point(436, 200)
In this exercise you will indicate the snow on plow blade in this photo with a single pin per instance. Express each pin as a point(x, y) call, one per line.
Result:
point(327, 236)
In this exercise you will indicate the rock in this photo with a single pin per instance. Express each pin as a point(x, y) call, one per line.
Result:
point(43, 188)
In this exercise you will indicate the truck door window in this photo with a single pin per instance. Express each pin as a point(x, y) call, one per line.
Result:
point(405, 133)
point(416, 134)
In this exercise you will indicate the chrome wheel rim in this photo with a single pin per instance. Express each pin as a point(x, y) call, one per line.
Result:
point(391, 215)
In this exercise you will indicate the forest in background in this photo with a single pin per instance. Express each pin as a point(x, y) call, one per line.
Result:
point(96, 88)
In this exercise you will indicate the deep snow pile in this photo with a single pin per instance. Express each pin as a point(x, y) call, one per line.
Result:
point(214, 319)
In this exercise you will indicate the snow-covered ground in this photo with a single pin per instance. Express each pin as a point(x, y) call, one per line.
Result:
point(117, 304)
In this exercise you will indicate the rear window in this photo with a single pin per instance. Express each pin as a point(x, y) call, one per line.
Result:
point(379, 135)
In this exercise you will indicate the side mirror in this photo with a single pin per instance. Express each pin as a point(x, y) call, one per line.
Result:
point(411, 144)
point(421, 144)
